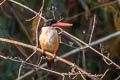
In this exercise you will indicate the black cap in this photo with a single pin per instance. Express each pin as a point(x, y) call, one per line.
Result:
point(50, 22)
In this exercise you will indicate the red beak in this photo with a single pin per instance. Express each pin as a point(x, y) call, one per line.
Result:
point(61, 24)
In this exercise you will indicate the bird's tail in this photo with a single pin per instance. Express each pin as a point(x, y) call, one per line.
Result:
point(50, 64)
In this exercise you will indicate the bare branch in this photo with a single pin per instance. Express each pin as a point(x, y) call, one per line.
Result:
point(23, 64)
point(94, 20)
point(39, 23)
point(91, 48)
point(27, 8)
point(82, 75)
point(2, 2)
point(36, 42)
point(19, 71)
point(118, 78)
point(3, 57)
point(21, 61)
point(60, 59)
point(104, 74)
point(78, 49)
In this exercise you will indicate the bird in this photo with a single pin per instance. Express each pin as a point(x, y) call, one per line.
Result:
point(49, 39)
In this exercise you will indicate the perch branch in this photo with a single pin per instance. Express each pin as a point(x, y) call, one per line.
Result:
point(78, 49)
point(58, 58)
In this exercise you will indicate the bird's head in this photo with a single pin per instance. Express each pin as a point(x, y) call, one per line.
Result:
point(54, 23)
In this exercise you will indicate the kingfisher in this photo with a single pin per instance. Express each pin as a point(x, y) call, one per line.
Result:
point(49, 39)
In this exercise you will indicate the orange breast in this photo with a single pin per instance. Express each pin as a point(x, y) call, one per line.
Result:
point(49, 39)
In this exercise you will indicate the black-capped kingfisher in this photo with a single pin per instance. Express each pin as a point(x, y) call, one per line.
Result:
point(49, 39)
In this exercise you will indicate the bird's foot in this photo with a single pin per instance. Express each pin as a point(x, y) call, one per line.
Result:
point(54, 56)
point(43, 54)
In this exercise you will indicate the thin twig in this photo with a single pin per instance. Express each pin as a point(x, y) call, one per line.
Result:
point(24, 54)
point(31, 18)
point(82, 76)
point(27, 8)
point(41, 58)
point(30, 64)
point(102, 51)
point(2, 2)
point(53, 12)
point(39, 13)
point(39, 23)
point(94, 20)
point(23, 64)
point(19, 71)
point(118, 78)
point(108, 63)
point(104, 74)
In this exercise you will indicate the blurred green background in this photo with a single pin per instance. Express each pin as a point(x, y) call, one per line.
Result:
point(13, 25)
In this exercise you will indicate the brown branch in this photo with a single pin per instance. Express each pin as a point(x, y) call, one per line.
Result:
point(58, 58)
point(99, 53)
point(27, 8)
point(2, 2)
point(38, 24)
point(117, 78)
point(36, 41)
point(82, 76)
point(78, 49)
point(104, 74)
point(24, 54)
point(21, 61)
point(94, 21)
point(22, 64)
